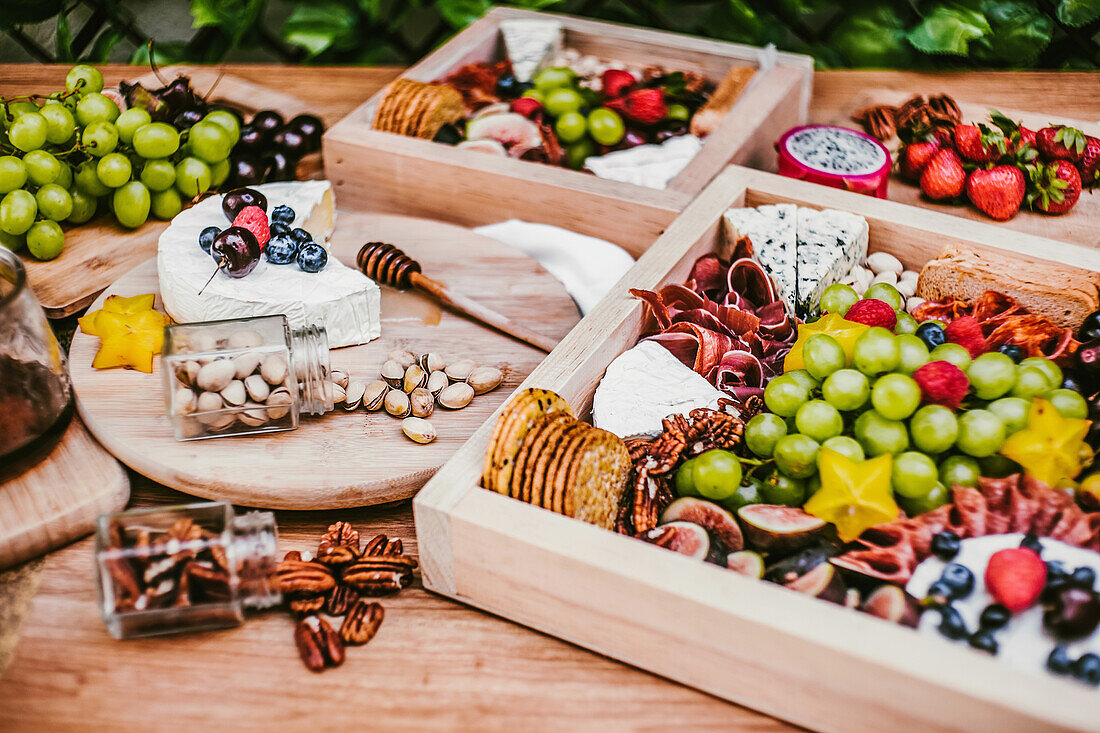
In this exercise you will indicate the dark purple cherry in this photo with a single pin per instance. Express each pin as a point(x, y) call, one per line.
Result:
point(290, 143)
point(280, 167)
point(246, 172)
point(177, 94)
point(252, 141)
point(310, 128)
point(239, 198)
point(269, 120)
point(1072, 613)
point(236, 251)
point(185, 119)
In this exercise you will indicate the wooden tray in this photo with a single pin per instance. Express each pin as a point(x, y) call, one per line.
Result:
point(342, 459)
point(99, 252)
point(789, 655)
point(438, 181)
point(1078, 226)
point(57, 500)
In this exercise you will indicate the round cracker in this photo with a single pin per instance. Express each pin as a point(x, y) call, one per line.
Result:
point(597, 481)
point(542, 449)
point(517, 417)
point(541, 494)
point(528, 452)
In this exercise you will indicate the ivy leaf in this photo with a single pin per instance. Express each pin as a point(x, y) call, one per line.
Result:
point(734, 20)
point(232, 17)
point(316, 28)
point(460, 13)
point(166, 54)
point(372, 9)
point(104, 44)
point(949, 29)
point(1076, 13)
point(63, 39)
point(1020, 33)
point(873, 37)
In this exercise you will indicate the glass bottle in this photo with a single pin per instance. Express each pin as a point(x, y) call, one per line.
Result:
point(244, 376)
point(184, 568)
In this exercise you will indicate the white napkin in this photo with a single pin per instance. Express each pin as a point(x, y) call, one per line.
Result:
point(652, 166)
point(586, 266)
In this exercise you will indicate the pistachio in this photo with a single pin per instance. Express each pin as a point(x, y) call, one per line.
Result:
point(211, 414)
point(393, 373)
point(418, 430)
point(354, 395)
point(257, 387)
point(187, 372)
point(234, 393)
point(415, 377)
point(397, 403)
point(273, 368)
point(203, 342)
point(208, 402)
point(421, 402)
point(456, 396)
point(339, 376)
point(245, 338)
point(437, 380)
point(405, 358)
point(192, 427)
point(484, 379)
point(374, 394)
point(278, 403)
point(338, 394)
point(216, 375)
point(183, 401)
point(253, 415)
point(246, 363)
point(431, 362)
point(460, 370)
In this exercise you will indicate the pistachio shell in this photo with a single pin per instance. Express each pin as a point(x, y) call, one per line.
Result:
point(405, 358)
point(278, 403)
point(393, 373)
point(339, 376)
point(216, 375)
point(208, 402)
point(460, 370)
point(246, 363)
point(456, 396)
point(257, 387)
point(374, 394)
point(432, 362)
point(354, 395)
point(253, 415)
point(485, 379)
point(191, 427)
point(338, 394)
point(418, 430)
point(437, 381)
point(183, 401)
point(421, 402)
point(397, 403)
point(203, 342)
point(234, 393)
point(245, 338)
point(187, 372)
point(415, 377)
point(273, 368)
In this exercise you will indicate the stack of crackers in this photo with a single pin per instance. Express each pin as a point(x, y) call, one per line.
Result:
point(417, 109)
point(543, 455)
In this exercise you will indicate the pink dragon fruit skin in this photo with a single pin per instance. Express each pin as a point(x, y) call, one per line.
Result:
point(835, 156)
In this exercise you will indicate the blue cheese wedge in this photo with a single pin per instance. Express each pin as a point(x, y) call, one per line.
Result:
point(531, 45)
point(830, 244)
point(774, 241)
point(643, 386)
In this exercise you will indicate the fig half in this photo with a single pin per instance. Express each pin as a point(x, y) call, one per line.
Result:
point(746, 562)
point(682, 537)
point(800, 563)
point(824, 582)
point(720, 523)
point(778, 528)
point(892, 603)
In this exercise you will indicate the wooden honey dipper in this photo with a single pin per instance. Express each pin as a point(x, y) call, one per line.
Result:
point(386, 264)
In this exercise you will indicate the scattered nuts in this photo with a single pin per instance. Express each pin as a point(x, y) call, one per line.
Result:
point(432, 362)
point(888, 276)
point(880, 262)
point(374, 394)
point(246, 363)
point(414, 377)
point(485, 379)
point(437, 380)
point(216, 375)
point(273, 368)
point(397, 403)
point(353, 395)
point(245, 339)
point(460, 370)
point(234, 393)
point(339, 376)
point(418, 430)
point(405, 358)
point(393, 373)
point(421, 402)
point(257, 387)
point(338, 394)
point(456, 396)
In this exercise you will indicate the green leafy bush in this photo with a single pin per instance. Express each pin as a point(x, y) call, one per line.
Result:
point(918, 34)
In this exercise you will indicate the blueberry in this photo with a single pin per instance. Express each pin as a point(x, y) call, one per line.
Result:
point(984, 641)
point(951, 623)
point(1059, 662)
point(1057, 579)
point(506, 86)
point(280, 249)
point(206, 238)
point(1013, 352)
point(1031, 542)
point(1083, 577)
point(277, 228)
point(931, 334)
point(1087, 669)
point(283, 215)
point(312, 257)
point(959, 579)
point(994, 616)
point(945, 545)
point(938, 594)
point(301, 235)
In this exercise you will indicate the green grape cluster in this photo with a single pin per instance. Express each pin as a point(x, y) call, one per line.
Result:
point(69, 154)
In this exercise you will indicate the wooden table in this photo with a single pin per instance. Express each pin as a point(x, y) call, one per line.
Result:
point(435, 664)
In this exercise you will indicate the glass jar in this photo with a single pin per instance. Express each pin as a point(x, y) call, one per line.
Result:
point(244, 376)
point(183, 568)
point(36, 397)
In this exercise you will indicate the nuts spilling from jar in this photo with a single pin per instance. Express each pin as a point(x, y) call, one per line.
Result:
point(339, 580)
point(410, 387)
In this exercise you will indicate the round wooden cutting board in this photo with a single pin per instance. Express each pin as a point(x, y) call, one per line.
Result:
point(341, 459)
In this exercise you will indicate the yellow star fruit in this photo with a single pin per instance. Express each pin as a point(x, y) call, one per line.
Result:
point(1049, 448)
point(854, 495)
point(129, 330)
point(845, 332)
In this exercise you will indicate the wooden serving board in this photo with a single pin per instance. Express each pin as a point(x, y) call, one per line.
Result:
point(1078, 226)
point(99, 252)
point(341, 459)
point(55, 501)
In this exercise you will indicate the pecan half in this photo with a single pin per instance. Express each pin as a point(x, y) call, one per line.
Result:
point(318, 644)
point(380, 574)
point(293, 555)
point(362, 622)
point(305, 578)
point(124, 583)
point(339, 600)
point(336, 556)
point(394, 547)
point(213, 582)
point(339, 534)
point(376, 546)
point(304, 606)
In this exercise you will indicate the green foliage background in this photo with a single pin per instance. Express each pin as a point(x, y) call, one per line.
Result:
point(907, 34)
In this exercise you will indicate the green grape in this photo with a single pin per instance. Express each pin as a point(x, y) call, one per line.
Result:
point(13, 174)
point(838, 298)
point(934, 428)
point(156, 140)
point(42, 167)
point(998, 466)
point(87, 180)
point(879, 436)
point(605, 126)
point(17, 109)
point(803, 377)
point(227, 120)
point(953, 354)
point(912, 353)
point(714, 475)
point(887, 293)
point(66, 100)
point(935, 498)
point(895, 396)
point(131, 204)
point(578, 152)
point(571, 126)
point(553, 77)
point(219, 172)
point(784, 395)
point(95, 107)
point(535, 94)
point(60, 124)
point(981, 433)
point(54, 202)
point(28, 132)
point(1069, 403)
point(992, 375)
point(129, 121)
point(823, 355)
point(14, 242)
point(209, 142)
point(913, 475)
point(906, 323)
point(17, 212)
point(1031, 382)
point(99, 138)
point(819, 420)
point(796, 455)
point(192, 177)
point(678, 112)
point(158, 175)
point(1048, 367)
point(777, 488)
point(845, 446)
point(846, 389)
point(84, 206)
point(84, 78)
point(747, 493)
point(45, 240)
point(762, 432)
point(1012, 411)
point(876, 351)
point(65, 176)
point(961, 470)
point(166, 204)
point(114, 170)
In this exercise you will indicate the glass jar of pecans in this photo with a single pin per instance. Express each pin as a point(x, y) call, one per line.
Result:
point(184, 568)
point(244, 376)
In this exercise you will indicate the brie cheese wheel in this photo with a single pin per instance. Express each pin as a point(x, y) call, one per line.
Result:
point(531, 44)
point(345, 301)
point(643, 386)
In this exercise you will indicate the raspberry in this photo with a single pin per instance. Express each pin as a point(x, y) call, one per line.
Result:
point(527, 106)
point(942, 383)
point(615, 81)
point(1015, 577)
point(644, 106)
point(254, 219)
point(967, 332)
point(872, 313)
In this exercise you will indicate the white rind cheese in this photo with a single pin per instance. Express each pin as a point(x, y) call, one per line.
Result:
point(342, 299)
point(830, 244)
point(531, 45)
point(772, 232)
point(643, 386)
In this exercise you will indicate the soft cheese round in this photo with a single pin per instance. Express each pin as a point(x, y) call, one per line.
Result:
point(342, 299)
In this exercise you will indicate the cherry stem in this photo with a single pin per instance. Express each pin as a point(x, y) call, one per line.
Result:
point(153, 65)
point(214, 86)
point(221, 264)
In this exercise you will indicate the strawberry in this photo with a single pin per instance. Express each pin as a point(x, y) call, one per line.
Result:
point(944, 177)
point(1015, 577)
point(998, 191)
point(915, 156)
point(1019, 140)
point(1053, 187)
point(979, 143)
point(1061, 143)
point(644, 106)
point(1089, 165)
point(1027, 137)
point(967, 332)
point(614, 82)
point(529, 107)
point(942, 383)
point(254, 219)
